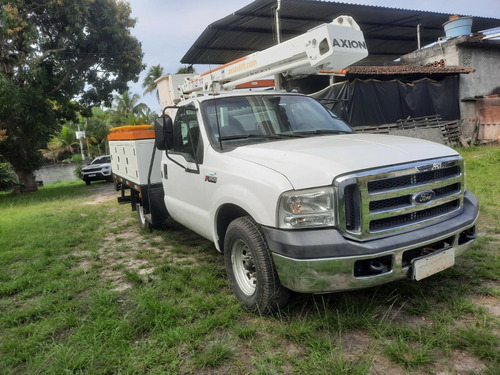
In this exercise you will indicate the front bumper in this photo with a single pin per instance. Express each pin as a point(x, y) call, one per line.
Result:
point(96, 175)
point(322, 261)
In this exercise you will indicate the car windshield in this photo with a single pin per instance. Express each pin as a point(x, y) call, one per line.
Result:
point(268, 117)
point(102, 160)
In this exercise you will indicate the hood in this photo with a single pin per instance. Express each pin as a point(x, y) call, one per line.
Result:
point(95, 166)
point(316, 161)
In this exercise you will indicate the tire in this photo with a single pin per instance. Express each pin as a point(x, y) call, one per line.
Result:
point(250, 268)
point(87, 182)
point(143, 223)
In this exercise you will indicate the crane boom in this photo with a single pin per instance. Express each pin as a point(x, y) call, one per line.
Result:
point(331, 46)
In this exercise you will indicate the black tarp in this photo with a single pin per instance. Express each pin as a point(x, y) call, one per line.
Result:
point(373, 102)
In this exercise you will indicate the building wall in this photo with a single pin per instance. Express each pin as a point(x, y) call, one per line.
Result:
point(51, 173)
point(484, 57)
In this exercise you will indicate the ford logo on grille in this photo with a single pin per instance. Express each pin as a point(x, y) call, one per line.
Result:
point(423, 197)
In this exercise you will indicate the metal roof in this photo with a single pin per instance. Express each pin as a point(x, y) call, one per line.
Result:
point(406, 70)
point(389, 32)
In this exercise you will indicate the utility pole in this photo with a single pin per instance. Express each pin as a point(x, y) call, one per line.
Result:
point(80, 135)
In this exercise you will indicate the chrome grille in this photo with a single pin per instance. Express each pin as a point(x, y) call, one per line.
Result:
point(399, 198)
point(412, 179)
point(93, 169)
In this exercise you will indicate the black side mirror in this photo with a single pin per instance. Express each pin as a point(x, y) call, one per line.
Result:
point(164, 133)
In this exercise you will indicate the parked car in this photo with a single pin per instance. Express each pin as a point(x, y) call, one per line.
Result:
point(98, 169)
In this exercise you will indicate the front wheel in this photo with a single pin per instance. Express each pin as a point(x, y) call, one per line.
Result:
point(250, 268)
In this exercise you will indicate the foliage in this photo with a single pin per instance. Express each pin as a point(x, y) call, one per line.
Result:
point(96, 130)
point(126, 108)
point(58, 58)
point(61, 144)
point(7, 176)
point(186, 70)
point(77, 159)
point(155, 72)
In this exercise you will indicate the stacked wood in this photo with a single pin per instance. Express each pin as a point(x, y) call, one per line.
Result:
point(450, 129)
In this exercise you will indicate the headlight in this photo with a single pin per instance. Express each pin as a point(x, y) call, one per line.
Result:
point(306, 208)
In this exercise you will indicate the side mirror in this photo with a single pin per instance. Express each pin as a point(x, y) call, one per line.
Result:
point(164, 133)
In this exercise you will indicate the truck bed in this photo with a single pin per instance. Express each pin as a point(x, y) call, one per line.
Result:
point(131, 148)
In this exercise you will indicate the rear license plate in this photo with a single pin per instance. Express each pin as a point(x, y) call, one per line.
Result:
point(92, 175)
point(430, 264)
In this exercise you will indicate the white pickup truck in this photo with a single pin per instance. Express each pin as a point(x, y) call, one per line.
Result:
point(298, 201)
point(293, 197)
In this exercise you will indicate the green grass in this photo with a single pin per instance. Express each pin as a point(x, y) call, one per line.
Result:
point(83, 290)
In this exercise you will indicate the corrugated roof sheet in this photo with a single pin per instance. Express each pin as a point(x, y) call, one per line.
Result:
point(389, 32)
point(406, 69)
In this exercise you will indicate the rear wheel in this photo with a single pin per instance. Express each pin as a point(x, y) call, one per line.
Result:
point(250, 268)
point(143, 223)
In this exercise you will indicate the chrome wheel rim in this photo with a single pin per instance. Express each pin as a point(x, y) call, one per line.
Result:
point(244, 267)
point(142, 218)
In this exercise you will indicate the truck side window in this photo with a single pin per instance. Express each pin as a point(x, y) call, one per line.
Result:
point(186, 134)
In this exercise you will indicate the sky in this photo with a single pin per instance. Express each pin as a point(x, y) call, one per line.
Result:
point(167, 28)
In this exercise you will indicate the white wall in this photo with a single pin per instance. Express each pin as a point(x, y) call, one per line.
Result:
point(51, 173)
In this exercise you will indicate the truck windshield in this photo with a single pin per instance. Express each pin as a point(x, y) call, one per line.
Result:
point(268, 117)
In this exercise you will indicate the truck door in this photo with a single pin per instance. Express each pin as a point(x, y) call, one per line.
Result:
point(183, 179)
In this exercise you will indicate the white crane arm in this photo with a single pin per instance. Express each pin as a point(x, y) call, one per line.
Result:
point(332, 46)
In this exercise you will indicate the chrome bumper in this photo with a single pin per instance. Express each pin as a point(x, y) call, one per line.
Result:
point(341, 271)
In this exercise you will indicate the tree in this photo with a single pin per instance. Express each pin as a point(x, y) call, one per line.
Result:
point(57, 59)
point(61, 144)
point(186, 70)
point(97, 129)
point(155, 72)
point(126, 107)
point(7, 177)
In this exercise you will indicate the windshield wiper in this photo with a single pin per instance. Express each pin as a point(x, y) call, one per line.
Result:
point(291, 135)
point(324, 131)
point(246, 136)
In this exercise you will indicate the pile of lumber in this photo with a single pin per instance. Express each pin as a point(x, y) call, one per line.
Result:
point(450, 130)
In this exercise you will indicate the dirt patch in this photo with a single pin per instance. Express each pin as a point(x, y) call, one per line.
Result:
point(383, 366)
point(124, 248)
point(101, 194)
point(355, 342)
point(491, 304)
point(459, 362)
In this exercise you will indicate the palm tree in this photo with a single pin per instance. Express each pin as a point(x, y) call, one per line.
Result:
point(155, 72)
point(97, 129)
point(61, 144)
point(186, 70)
point(125, 105)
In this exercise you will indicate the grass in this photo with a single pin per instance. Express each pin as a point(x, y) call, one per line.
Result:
point(83, 290)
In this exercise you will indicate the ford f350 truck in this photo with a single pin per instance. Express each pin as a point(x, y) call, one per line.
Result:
point(293, 197)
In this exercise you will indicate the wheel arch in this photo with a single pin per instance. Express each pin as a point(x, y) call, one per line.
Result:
point(225, 215)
